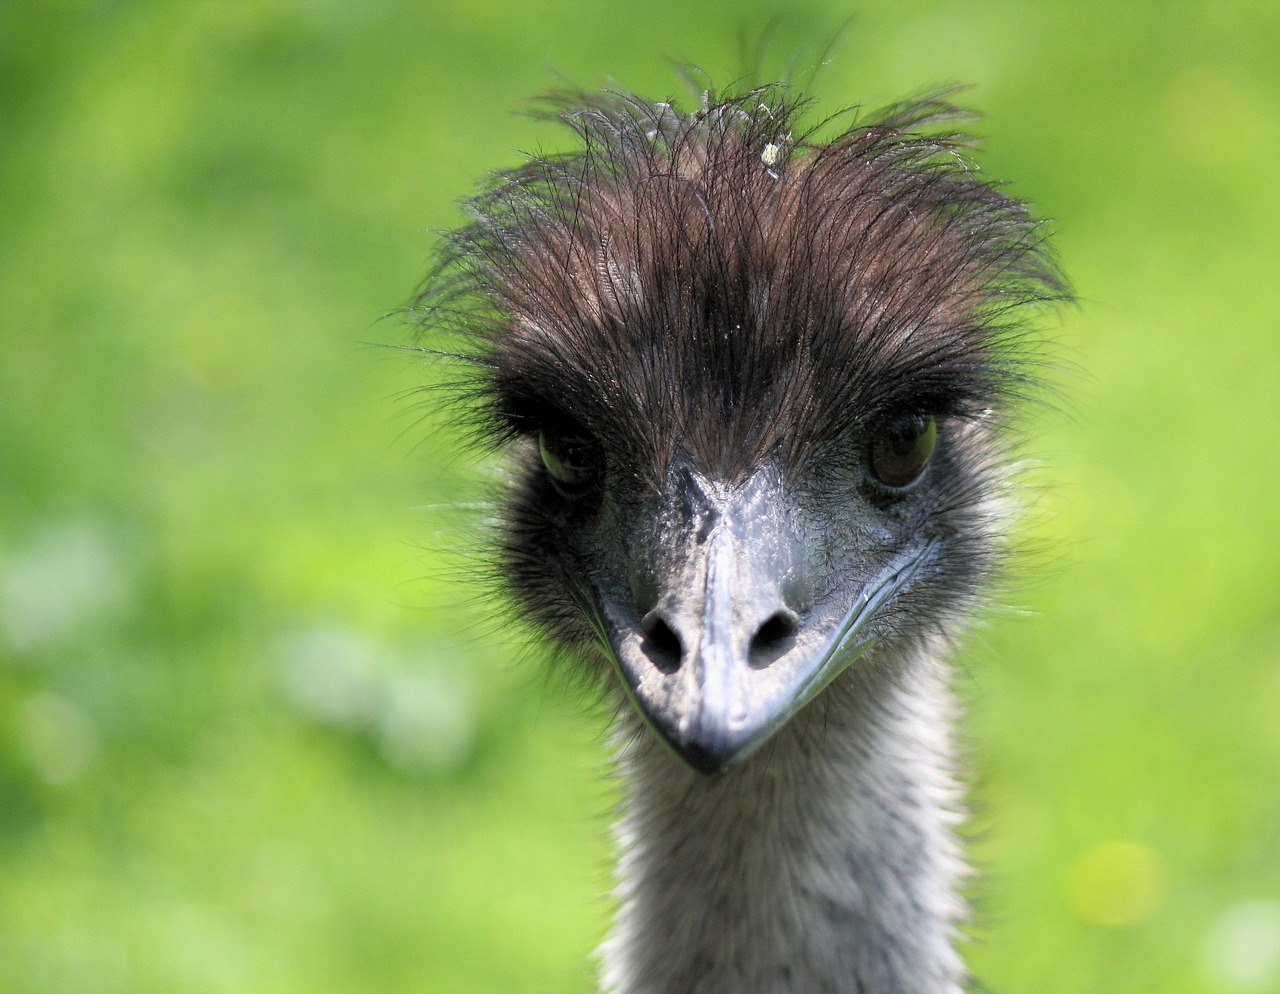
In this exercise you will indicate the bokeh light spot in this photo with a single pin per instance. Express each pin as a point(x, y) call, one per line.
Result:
point(1242, 947)
point(59, 736)
point(1116, 884)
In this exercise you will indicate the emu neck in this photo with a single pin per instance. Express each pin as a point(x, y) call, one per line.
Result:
point(824, 863)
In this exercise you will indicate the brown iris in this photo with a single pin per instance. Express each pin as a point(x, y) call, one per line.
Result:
point(571, 460)
point(901, 451)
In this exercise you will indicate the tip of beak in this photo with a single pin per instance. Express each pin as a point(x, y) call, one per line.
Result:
point(711, 747)
point(705, 761)
point(707, 758)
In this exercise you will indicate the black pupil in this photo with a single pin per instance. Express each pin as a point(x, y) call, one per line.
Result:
point(574, 454)
point(903, 439)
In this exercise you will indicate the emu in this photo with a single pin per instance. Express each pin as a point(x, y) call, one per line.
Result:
point(755, 386)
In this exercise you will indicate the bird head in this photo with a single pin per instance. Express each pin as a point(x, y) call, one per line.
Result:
point(754, 384)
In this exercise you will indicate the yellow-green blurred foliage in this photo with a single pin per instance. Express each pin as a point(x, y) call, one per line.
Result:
point(254, 737)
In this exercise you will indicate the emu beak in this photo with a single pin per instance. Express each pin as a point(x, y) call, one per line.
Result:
point(725, 642)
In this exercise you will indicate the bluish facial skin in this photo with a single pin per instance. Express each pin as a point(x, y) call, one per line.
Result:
point(730, 606)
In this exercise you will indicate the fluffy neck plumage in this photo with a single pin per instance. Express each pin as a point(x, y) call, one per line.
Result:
point(824, 863)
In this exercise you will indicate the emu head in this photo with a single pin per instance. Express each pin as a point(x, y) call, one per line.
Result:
point(754, 384)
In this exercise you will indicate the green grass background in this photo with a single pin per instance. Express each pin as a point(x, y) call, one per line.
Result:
point(255, 737)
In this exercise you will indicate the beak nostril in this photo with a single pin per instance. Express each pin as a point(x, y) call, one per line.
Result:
point(773, 638)
point(661, 644)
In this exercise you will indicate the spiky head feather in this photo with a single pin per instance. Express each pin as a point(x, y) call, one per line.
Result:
point(723, 280)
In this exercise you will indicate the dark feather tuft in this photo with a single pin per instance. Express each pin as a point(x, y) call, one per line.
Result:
point(723, 280)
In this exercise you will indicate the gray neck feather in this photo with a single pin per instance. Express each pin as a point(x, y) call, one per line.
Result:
point(826, 863)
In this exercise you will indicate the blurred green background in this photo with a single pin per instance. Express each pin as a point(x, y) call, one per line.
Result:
point(255, 737)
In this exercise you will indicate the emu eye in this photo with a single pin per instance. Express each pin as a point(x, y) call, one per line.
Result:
point(571, 460)
point(902, 451)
